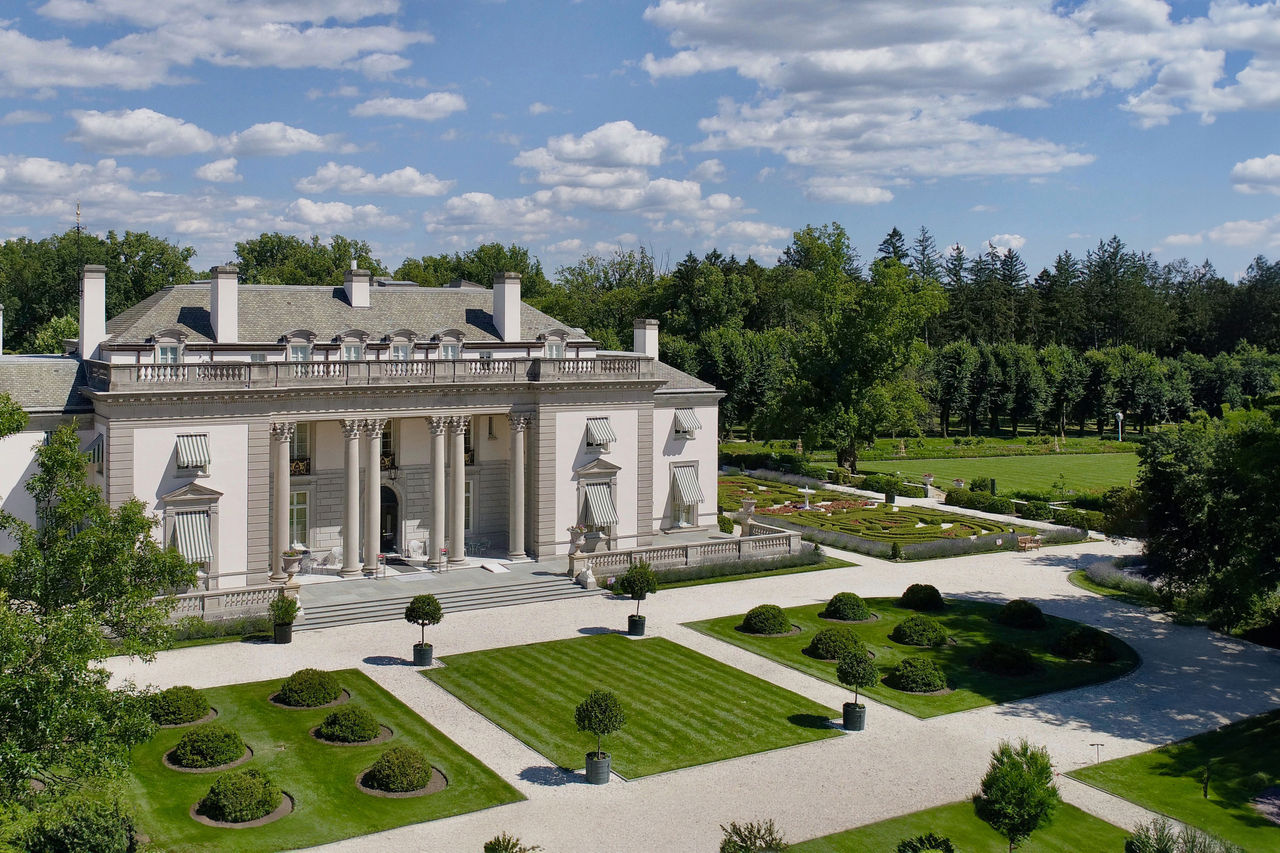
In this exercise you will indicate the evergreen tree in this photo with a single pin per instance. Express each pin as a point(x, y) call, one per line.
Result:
point(894, 246)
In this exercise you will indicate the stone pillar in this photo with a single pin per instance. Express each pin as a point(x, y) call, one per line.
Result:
point(281, 435)
point(515, 505)
point(373, 491)
point(458, 497)
point(351, 429)
point(438, 427)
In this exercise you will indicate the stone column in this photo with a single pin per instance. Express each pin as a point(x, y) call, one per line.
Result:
point(515, 505)
point(373, 491)
point(458, 497)
point(351, 429)
point(281, 435)
point(438, 427)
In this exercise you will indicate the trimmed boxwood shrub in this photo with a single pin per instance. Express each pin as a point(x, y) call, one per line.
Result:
point(1084, 643)
point(207, 745)
point(1036, 511)
point(725, 523)
point(349, 724)
point(309, 688)
point(830, 643)
point(398, 770)
point(241, 796)
point(1021, 613)
point(1003, 658)
point(919, 631)
point(921, 596)
point(178, 705)
point(917, 675)
point(766, 619)
point(848, 607)
point(984, 501)
point(930, 842)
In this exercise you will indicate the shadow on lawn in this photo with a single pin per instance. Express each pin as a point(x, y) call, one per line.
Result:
point(810, 721)
point(551, 777)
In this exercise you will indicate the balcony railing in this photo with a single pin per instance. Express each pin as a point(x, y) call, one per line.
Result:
point(300, 467)
point(225, 375)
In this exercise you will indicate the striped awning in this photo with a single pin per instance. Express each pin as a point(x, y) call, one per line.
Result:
point(95, 450)
point(598, 509)
point(193, 451)
point(599, 431)
point(687, 421)
point(191, 535)
point(688, 492)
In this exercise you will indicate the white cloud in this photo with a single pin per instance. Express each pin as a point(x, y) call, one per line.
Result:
point(477, 212)
point(142, 131)
point(537, 108)
point(333, 214)
point(1184, 239)
point(845, 190)
point(220, 171)
point(711, 171)
point(1257, 175)
point(24, 117)
point(275, 138)
point(573, 244)
point(41, 177)
point(1006, 242)
point(1247, 232)
point(353, 180)
point(436, 105)
point(617, 143)
point(982, 208)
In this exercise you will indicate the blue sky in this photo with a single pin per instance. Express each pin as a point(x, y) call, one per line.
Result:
point(577, 127)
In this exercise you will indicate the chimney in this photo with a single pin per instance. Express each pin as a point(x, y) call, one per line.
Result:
point(645, 339)
point(224, 304)
point(356, 283)
point(93, 310)
point(506, 305)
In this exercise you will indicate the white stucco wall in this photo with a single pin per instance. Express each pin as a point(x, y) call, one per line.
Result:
point(572, 453)
point(17, 464)
point(669, 451)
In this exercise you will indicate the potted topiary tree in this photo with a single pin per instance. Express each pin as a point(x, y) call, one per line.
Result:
point(423, 610)
point(600, 714)
point(638, 582)
point(855, 670)
point(283, 610)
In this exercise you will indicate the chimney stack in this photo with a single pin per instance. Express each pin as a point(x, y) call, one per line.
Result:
point(93, 310)
point(356, 283)
point(645, 338)
point(506, 305)
point(224, 304)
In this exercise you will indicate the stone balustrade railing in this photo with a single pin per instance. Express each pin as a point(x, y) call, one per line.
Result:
point(760, 543)
point(227, 603)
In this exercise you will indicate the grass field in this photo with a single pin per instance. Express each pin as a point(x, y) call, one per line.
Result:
point(1246, 759)
point(1072, 831)
point(1081, 472)
point(967, 622)
point(320, 777)
point(956, 447)
point(682, 708)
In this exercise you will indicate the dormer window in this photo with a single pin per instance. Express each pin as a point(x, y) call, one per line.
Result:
point(450, 344)
point(353, 352)
point(555, 349)
point(451, 351)
point(299, 352)
point(553, 343)
point(401, 352)
point(168, 353)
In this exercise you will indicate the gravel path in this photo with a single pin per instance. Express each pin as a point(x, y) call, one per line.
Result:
point(1190, 681)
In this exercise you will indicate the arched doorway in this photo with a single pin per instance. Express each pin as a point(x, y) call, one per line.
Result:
point(389, 528)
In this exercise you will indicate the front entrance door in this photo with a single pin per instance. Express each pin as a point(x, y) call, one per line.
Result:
point(390, 526)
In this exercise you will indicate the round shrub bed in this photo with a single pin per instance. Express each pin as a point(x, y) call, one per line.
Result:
point(178, 706)
point(351, 724)
point(917, 675)
point(309, 688)
point(207, 745)
point(1021, 613)
point(919, 631)
point(1084, 643)
point(1002, 658)
point(766, 619)
point(846, 607)
point(830, 643)
point(241, 796)
point(921, 596)
point(399, 770)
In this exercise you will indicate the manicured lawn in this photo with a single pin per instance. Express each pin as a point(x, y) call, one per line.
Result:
point(967, 622)
point(1083, 472)
point(1246, 759)
point(1072, 831)
point(934, 447)
point(682, 708)
point(320, 777)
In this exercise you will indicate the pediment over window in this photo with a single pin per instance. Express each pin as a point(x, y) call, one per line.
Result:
point(401, 335)
point(554, 335)
point(601, 468)
point(169, 335)
point(298, 336)
point(192, 493)
point(352, 335)
point(449, 335)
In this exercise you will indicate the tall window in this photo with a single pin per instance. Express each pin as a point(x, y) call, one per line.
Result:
point(299, 352)
point(168, 353)
point(387, 450)
point(450, 351)
point(400, 352)
point(352, 352)
point(299, 530)
point(300, 444)
point(467, 516)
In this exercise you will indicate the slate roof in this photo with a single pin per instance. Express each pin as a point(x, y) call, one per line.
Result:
point(44, 383)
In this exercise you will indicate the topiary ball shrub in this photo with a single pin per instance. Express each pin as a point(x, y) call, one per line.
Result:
point(1021, 613)
point(1005, 659)
point(350, 724)
point(241, 796)
point(178, 705)
point(766, 619)
point(208, 745)
point(928, 843)
point(917, 675)
point(399, 770)
point(921, 596)
point(919, 631)
point(1084, 643)
point(309, 688)
point(847, 607)
point(830, 643)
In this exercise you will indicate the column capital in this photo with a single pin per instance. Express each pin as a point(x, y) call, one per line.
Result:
point(283, 430)
point(519, 421)
point(437, 424)
point(458, 423)
point(352, 427)
point(373, 427)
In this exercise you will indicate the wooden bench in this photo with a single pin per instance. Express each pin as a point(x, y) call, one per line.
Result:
point(1027, 543)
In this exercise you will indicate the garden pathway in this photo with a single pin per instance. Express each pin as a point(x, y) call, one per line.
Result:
point(1190, 681)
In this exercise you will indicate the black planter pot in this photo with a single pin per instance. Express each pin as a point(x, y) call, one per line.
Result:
point(422, 654)
point(283, 634)
point(598, 768)
point(855, 716)
point(635, 625)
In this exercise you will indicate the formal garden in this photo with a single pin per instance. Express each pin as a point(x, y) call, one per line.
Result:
point(933, 655)
point(682, 708)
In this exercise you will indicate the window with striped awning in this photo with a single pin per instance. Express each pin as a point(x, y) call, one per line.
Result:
point(96, 451)
point(599, 433)
point(191, 535)
point(597, 507)
point(687, 422)
point(688, 492)
point(193, 451)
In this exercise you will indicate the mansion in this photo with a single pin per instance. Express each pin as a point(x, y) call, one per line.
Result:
point(375, 418)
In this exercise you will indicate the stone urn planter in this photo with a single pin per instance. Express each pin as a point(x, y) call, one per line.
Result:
point(598, 768)
point(958, 483)
point(855, 716)
point(293, 561)
point(577, 536)
point(928, 480)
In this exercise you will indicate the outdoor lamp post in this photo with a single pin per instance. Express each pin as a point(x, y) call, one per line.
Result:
point(1120, 424)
